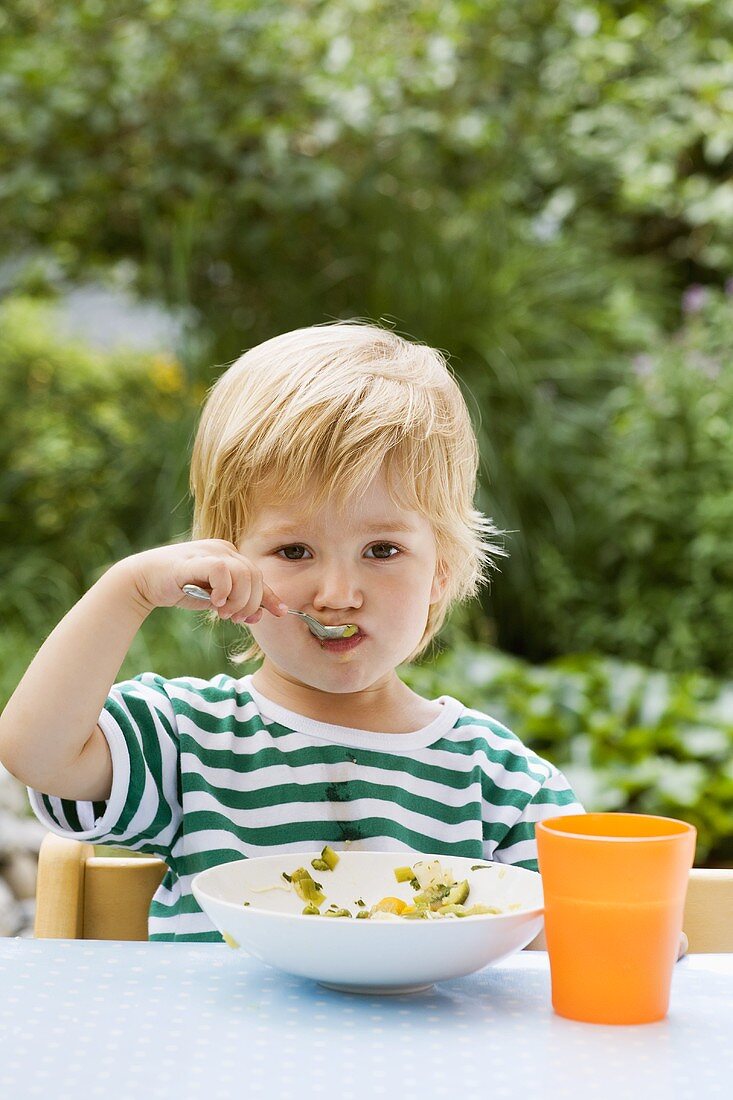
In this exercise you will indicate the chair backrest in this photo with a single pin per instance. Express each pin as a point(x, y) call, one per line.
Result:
point(86, 897)
point(709, 910)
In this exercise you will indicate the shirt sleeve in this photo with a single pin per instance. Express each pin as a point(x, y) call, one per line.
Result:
point(553, 798)
point(143, 811)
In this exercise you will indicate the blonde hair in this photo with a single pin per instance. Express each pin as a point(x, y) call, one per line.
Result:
point(315, 414)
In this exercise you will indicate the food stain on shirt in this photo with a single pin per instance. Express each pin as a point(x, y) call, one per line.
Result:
point(339, 791)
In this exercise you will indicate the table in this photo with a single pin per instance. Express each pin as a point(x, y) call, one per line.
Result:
point(164, 1021)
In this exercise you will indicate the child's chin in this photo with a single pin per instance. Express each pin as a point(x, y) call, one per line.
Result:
point(339, 679)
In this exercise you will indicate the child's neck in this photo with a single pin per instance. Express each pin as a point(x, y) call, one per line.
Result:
point(388, 706)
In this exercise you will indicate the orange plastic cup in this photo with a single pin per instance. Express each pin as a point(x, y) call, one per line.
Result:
point(614, 887)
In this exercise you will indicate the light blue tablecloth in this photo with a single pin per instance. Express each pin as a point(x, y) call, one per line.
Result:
point(87, 1019)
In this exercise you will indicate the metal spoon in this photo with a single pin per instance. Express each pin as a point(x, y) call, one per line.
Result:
point(314, 626)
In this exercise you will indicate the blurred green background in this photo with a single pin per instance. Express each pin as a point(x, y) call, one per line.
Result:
point(541, 189)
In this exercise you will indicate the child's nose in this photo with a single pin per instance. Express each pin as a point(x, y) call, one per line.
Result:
point(337, 588)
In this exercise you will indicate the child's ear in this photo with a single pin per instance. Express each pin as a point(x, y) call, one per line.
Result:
point(440, 580)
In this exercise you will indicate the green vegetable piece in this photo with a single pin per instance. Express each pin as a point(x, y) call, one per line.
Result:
point(458, 893)
point(349, 631)
point(306, 888)
point(328, 855)
point(363, 914)
point(311, 910)
point(404, 874)
point(433, 896)
point(360, 901)
point(327, 860)
point(338, 913)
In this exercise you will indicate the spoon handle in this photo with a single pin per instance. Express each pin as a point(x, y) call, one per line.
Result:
point(202, 594)
point(314, 626)
point(196, 592)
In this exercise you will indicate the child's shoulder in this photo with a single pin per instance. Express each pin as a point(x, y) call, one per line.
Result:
point(194, 689)
point(487, 735)
point(482, 724)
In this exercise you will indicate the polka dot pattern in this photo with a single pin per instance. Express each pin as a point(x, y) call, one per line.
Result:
point(175, 1021)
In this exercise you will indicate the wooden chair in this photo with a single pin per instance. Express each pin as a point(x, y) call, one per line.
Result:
point(82, 896)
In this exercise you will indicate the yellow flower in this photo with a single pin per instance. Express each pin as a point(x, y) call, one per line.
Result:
point(166, 374)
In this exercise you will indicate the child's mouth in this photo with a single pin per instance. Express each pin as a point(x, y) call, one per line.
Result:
point(340, 645)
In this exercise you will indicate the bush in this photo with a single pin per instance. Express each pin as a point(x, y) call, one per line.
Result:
point(647, 571)
point(92, 450)
point(224, 143)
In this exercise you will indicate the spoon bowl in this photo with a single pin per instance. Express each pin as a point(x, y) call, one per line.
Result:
point(316, 628)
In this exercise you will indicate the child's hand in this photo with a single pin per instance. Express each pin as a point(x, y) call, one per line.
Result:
point(238, 591)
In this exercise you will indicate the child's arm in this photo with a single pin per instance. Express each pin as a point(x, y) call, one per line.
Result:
point(49, 737)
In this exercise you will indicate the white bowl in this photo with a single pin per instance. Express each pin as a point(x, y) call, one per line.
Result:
point(369, 956)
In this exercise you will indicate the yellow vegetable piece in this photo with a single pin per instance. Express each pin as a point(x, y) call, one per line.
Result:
point(390, 905)
point(229, 940)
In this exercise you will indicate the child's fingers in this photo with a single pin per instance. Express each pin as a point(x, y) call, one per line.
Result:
point(220, 582)
point(206, 573)
point(268, 601)
point(244, 597)
point(250, 619)
point(272, 603)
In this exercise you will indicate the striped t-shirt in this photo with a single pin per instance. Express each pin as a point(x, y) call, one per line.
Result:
point(209, 771)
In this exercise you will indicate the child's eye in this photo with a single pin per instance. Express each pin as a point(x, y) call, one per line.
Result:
point(294, 553)
point(381, 551)
point(380, 547)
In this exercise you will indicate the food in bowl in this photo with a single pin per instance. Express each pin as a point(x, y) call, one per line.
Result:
point(438, 895)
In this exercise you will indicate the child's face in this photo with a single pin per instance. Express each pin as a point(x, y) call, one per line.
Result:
point(373, 565)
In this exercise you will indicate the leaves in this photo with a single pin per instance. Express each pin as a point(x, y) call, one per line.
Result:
point(92, 441)
point(647, 573)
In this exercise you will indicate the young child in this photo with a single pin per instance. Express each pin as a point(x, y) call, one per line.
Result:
point(334, 473)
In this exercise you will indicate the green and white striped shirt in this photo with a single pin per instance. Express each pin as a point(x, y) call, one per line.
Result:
point(205, 772)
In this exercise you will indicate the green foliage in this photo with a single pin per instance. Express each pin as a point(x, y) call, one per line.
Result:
point(92, 443)
point(647, 574)
point(629, 738)
point(638, 97)
point(243, 153)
